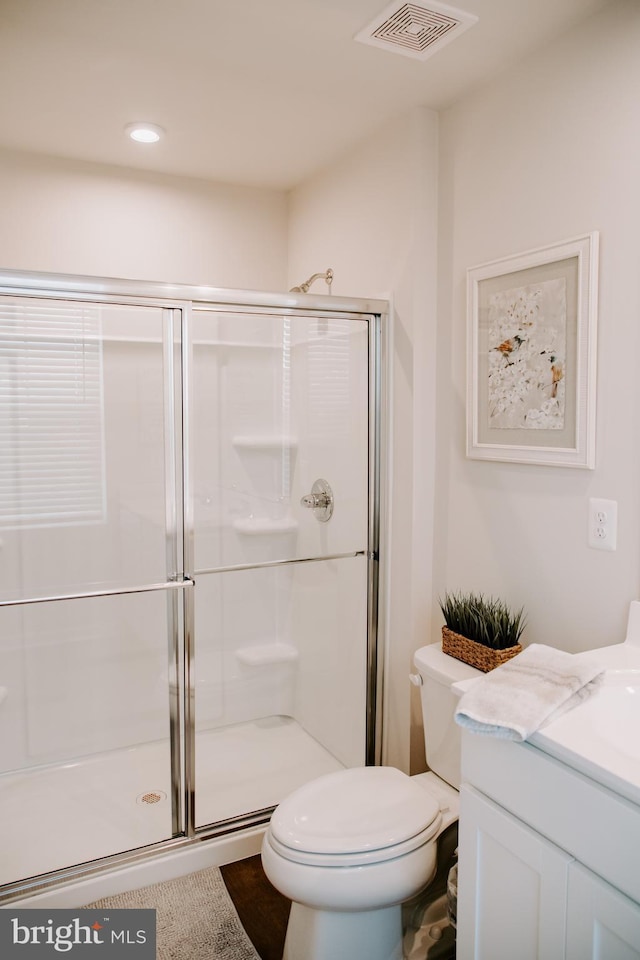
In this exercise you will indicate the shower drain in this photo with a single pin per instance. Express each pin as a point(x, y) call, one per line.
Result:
point(153, 796)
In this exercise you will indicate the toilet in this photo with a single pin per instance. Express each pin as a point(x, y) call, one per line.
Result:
point(350, 847)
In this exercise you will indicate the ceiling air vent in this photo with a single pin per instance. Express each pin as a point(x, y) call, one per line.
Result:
point(415, 30)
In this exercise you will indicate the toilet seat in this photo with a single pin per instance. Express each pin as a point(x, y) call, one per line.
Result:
point(353, 817)
point(355, 859)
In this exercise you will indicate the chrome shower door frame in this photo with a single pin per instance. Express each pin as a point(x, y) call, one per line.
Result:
point(177, 303)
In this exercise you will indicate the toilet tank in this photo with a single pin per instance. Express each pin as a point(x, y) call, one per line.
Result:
point(438, 671)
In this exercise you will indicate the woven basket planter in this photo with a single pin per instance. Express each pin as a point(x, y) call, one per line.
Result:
point(475, 654)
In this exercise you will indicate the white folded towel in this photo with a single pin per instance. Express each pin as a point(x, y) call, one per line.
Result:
point(529, 691)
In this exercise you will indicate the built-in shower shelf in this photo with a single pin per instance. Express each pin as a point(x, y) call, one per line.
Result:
point(263, 526)
point(271, 441)
point(267, 653)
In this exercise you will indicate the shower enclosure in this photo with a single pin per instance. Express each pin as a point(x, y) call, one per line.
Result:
point(189, 555)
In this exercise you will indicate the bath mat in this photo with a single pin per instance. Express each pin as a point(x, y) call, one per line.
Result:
point(196, 919)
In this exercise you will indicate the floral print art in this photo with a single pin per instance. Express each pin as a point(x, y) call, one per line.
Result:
point(527, 356)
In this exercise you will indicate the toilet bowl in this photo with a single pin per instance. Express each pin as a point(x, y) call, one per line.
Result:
point(349, 848)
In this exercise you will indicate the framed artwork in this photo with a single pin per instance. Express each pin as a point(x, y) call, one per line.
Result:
point(531, 363)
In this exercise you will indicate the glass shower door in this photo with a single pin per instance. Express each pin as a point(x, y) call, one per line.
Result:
point(91, 591)
point(281, 597)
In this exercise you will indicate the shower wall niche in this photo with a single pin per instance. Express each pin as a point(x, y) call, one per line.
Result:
point(182, 641)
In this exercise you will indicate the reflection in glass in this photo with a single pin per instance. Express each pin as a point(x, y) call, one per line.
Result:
point(82, 446)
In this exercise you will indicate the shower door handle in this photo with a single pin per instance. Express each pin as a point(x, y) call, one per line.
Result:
point(320, 500)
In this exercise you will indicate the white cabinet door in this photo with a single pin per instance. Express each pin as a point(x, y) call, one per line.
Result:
point(602, 924)
point(511, 887)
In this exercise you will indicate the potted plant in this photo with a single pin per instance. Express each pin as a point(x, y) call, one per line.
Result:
point(482, 632)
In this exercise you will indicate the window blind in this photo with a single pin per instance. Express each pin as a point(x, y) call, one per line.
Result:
point(51, 414)
point(329, 381)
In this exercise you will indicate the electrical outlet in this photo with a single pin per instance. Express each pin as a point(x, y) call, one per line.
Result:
point(603, 524)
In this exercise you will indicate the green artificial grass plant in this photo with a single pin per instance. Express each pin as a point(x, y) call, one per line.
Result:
point(489, 622)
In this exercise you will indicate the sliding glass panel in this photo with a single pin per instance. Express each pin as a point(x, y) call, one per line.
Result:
point(280, 666)
point(83, 445)
point(85, 758)
point(278, 404)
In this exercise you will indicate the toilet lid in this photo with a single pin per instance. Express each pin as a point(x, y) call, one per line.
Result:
point(353, 811)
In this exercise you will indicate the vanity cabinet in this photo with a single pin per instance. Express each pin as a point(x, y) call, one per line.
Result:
point(602, 924)
point(528, 824)
point(511, 886)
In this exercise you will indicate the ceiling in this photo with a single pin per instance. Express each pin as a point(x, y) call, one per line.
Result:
point(255, 92)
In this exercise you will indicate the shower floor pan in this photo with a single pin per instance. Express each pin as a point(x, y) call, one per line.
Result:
point(59, 816)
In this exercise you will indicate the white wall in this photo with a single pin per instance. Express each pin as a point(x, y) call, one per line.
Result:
point(372, 218)
point(549, 151)
point(82, 218)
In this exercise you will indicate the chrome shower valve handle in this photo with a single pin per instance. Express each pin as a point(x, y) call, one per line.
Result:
point(315, 500)
point(320, 500)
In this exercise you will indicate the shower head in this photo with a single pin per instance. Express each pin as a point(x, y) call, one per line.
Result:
point(327, 276)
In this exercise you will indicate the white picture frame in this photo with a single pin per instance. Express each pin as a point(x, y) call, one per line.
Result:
point(531, 356)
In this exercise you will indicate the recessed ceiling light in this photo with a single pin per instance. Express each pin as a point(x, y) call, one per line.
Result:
point(144, 132)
